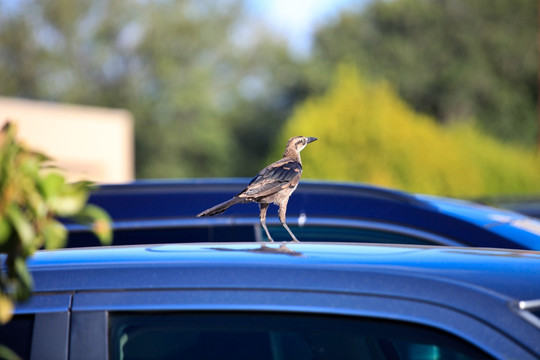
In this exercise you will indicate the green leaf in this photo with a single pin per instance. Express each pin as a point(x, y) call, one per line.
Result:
point(55, 235)
point(36, 203)
point(8, 354)
point(85, 184)
point(26, 283)
point(6, 309)
point(21, 224)
point(29, 165)
point(52, 185)
point(69, 202)
point(5, 230)
point(99, 220)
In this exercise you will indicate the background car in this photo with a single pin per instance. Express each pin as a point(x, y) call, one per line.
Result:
point(295, 301)
point(526, 205)
point(159, 211)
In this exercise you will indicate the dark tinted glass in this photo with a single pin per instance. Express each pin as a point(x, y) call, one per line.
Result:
point(344, 234)
point(536, 312)
point(167, 235)
point(244, 233)
point(241, 336)
point(17, 335)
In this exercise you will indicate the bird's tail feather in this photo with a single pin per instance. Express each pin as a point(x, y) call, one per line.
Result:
point(220, 208)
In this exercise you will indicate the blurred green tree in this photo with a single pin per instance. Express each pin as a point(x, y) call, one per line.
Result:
point(368, 133)
point(210, 91)
point(452, 59)
point(199, 85)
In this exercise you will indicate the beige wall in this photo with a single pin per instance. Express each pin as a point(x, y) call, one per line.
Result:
point(87, 142)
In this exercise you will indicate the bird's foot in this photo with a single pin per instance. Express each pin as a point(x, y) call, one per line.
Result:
point(285, 249)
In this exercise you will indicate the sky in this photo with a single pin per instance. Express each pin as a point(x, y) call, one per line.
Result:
point(297, 20)
point(294, 20)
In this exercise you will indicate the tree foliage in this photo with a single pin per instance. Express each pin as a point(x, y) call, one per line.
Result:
point(369, 134)
point(31, 199)
point(207, 95)
point(210, 90)
point(452, 59)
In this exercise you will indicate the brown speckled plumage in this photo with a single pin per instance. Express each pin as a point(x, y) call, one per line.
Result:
point(274, 184)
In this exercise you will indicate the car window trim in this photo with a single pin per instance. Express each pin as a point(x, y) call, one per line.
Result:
point(398, 229)
point(486, 338)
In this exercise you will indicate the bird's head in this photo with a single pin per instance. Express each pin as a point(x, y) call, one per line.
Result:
point(299, 142)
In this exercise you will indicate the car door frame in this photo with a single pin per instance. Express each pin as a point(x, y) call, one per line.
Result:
point(91, 311)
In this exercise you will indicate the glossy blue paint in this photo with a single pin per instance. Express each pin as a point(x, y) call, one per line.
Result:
point(522, 229)
point(149, 204)
point(493, 269)
point(474, 294)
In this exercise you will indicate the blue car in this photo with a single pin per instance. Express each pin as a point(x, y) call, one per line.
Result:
point(280, 302)
point(158, 211)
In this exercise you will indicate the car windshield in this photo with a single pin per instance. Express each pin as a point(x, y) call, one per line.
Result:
point(263, 336)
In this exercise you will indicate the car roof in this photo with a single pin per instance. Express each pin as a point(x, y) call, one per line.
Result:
point(448, 288)
point(505, 274)
point(176, 202)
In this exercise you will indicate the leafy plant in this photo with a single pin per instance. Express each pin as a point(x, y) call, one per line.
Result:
point(372, 135)
point(32, 197)
point(452, 60)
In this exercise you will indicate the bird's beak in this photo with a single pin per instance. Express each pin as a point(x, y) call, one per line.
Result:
point(311, 139)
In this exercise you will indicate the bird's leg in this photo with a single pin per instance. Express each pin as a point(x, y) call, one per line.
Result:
point(282, 211)
point(262, 218)
point(290, 232)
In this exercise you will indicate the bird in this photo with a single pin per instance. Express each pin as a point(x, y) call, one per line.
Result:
point(273, 184)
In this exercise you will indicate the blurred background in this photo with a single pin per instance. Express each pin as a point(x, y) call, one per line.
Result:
point(432, 96)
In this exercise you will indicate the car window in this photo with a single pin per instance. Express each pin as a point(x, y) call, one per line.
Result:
point(277, 337)
point(163, 235)
point(346, 234)
point(17, 335)
point(245, 233)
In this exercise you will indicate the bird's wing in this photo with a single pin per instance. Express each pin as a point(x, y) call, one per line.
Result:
point(273, 178)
